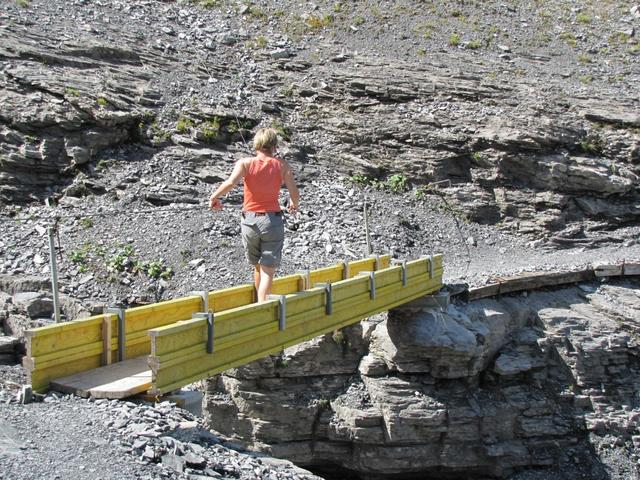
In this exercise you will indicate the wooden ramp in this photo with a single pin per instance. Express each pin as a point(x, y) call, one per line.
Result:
point(119, 380)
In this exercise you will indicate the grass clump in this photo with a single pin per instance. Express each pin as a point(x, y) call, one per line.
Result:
point(397, 183)
point(583, 18)
point(618, 38)
point(86, 223)
point(261, 41)
point(283, 130)
point(474, 44)
point(184, 124)
point(569, 38)
point(78, 256)
point(102, 102)
point(157, 269)
point(454, 40)
point(72, 91)
point(593, 144)
point(211, 129)
point(122, 260)
point(317, 22)
point(102, 165)
point(255, 12)
point(584, 59)
point(158, 132)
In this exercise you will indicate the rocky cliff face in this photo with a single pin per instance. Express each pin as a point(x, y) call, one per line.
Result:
point(486, 388)
point(535, 126)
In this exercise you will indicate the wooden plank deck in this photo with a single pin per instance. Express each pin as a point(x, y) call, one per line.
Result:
point(118, 380)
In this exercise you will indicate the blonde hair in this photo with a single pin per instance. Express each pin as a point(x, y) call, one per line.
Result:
point(265, 139)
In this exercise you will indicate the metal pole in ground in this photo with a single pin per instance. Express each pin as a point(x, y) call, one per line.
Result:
point(54, 275)
point(366, 227)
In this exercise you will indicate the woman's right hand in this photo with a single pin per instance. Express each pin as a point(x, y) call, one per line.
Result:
point(215, 204)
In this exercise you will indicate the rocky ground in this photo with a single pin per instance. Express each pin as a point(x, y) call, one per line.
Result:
point(123, 116)
point(63, 437)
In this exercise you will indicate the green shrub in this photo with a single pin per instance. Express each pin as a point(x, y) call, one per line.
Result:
point(360, 179)
point(86, 223)
point(283, 131)
point(584, 59)
point(316, 22)
point(261, 41)
point(474, 44)
point(211, 129)
point(123, 260)
point(593, 144)
point(583, 18)
point(397, 183)
point(71, 91)
point(184, 124)
point(78, 256)
point(569, 38)
point(421, 193)
point(157, 269)
point(454, 40)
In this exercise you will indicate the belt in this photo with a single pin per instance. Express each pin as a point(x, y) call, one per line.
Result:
point(261, 214)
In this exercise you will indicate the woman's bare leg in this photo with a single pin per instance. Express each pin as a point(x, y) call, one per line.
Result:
point(265, 281)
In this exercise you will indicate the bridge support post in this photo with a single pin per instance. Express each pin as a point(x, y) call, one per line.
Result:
point(204, 295)
point(345, 270)
point(372, 283)
point(282, 317)
point(210, 327)
point(403, 265)
point(305, 280)
point(120, 312)
point(376, 264)
point(328, 297)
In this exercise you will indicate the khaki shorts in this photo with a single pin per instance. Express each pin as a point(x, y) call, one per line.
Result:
point(263, 238)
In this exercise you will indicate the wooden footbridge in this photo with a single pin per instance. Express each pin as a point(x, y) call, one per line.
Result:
point(161, 347)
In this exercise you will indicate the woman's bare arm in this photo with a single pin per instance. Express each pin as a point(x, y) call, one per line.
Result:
point(236, 175)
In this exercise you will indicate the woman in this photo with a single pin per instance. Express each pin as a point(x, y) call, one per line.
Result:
point(262, 227)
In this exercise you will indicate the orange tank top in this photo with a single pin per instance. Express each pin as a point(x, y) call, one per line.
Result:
point(262, 184)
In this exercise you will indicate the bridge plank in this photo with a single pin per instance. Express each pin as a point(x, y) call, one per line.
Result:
point(118, 380)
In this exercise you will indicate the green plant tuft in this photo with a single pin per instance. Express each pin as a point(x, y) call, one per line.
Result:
point(583, 18)
point(72, 91)
point(397, 183)
point(157, 269)
point(474, 44)
point(211, 129)
point(283, 130)
point(184, 124)
point(86, 223)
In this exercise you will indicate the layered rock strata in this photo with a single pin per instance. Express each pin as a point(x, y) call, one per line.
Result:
point(484, 388)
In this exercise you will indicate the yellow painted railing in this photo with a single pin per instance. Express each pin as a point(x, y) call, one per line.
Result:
point(239, 335)
point(60, 350)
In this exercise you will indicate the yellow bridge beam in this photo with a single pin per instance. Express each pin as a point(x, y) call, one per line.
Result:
point(61, 350)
